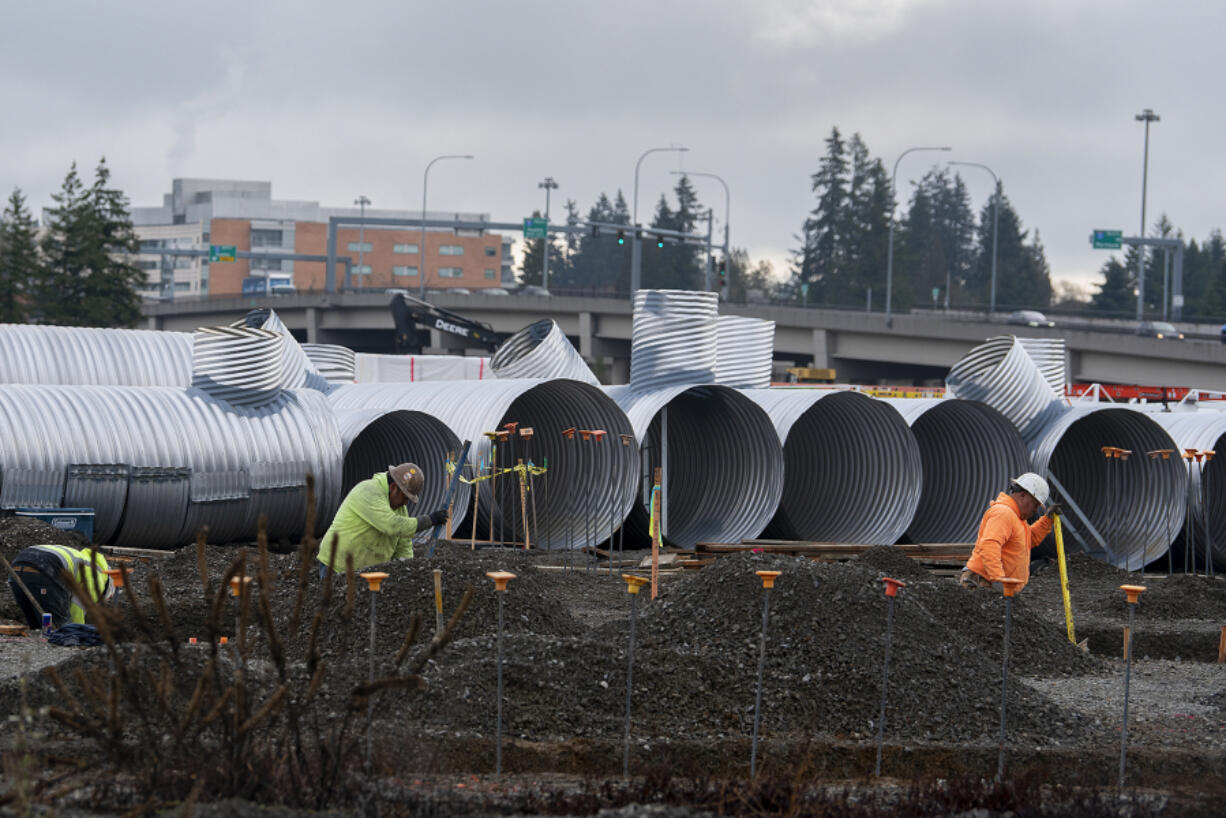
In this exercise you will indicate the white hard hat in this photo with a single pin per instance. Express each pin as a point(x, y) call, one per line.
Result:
point(1034, 485)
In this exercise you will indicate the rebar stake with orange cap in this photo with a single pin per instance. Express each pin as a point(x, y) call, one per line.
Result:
point(768, 582)
point(374, 581)
point(239, 587)
point(1156, 455)
point(1206, 507)
point(1011, 586)
point(633, 585)
point(891, 591)
point(1189, 527)
point(510, 433)
point(1132, 592)
point(501, 578)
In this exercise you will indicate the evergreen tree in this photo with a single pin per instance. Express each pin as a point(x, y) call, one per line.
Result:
point(1023, 277)
point(748, 282)
point(819, 258)
point(1115, 293)
point(866, 227)
point(676, 264)
point(937, 240)
point(88, 278)
point(1211, 262)
point(534, 256)
point(19, 262)
point(599, 262)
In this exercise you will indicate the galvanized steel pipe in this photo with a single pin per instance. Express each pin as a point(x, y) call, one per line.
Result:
point(1002, 374)
point(852, 470)
point(540, 350)
point(723, 469)
point(1135, 507)
point(673, 338)
point(968, 451)
point(40, 354)
point(580, 476)
point(335, 363)
point(744, 352)
point(1203, 430)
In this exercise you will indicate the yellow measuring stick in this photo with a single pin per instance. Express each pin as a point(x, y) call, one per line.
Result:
point(1068, 605)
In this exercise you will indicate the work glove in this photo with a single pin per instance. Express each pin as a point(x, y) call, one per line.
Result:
point(438, 517)
point(1054, 508)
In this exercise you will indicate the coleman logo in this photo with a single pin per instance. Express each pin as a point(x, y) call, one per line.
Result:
point(64, 523)
point(439, 323)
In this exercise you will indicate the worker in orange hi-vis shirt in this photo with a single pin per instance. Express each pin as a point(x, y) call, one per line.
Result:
point(1002, 548)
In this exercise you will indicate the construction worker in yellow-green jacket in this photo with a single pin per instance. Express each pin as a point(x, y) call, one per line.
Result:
point(373, 524)
point(42, 570)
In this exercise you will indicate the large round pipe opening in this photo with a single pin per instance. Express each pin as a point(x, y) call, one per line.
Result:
point(540, 350)
point(968, 452)
point(852, 467)
point(1207, 486)
point(1135, 506)
point(375, 439)
point(721, 462)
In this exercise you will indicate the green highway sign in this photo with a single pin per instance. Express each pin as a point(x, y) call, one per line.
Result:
point(222, 252)
point(535, 228)
point(804, 289)
point(1107, 239)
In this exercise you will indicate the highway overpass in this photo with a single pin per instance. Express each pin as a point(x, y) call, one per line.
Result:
point(918, 349)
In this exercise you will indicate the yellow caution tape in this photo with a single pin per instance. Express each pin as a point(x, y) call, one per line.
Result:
point(524, 471)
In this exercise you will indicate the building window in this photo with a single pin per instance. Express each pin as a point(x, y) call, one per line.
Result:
point(359, 246)
point(401, 270)
point(490, 274)
point(451, 250)
point(361, 269)
point(265, 238)
point(450, 272)
point(491, 251)
point(404, 248)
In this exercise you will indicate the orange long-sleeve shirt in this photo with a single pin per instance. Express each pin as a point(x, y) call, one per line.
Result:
point(1002, 548)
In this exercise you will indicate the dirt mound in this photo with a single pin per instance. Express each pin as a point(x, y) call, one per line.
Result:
point(826, 640)
point(892, 562)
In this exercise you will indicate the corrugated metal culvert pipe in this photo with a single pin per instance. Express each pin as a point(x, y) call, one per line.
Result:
point(1136, 506)
point(852, 470)
point(582, 477)
point(1203, 430)
point(1002, 374)
point(540, 350)
point(36, 354)
point(744, 351)
point(724, 470)
point(334, 363)
point(968, 451)
point(374, 439)
point(157, 463)
point(673, 338)
point(297, 370)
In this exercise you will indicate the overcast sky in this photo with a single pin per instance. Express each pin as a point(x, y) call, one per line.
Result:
point(332, 100)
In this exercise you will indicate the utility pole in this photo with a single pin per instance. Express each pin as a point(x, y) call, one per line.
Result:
point(636, 250)
point(1147, 116)
point(361, 202)
point(549, 184)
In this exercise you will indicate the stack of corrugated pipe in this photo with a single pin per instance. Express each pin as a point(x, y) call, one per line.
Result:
point(1125, 511)
point(587, 480)
point(158, 463)
point(720, 458)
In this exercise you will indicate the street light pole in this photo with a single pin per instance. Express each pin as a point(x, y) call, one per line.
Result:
point(549, 184)
point(727, 203)
point(421, 250)
point(1147, 116)
point(636, 250)
point(361, 202)
point(995, 224)
point(889, 263)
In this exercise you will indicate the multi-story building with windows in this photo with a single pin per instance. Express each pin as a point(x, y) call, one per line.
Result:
point(198, 213)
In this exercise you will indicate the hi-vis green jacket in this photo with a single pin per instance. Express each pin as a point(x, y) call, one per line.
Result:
point(89, 567)
point(367, 527)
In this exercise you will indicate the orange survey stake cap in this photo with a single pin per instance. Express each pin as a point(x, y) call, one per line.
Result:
point(633, 583)
point(569, 434)
point(116, 575)
point(527, 431)
point(1132, 591)
point(374, 579)
point(1011, 585)
point(892, 585)
point(501, 578)
point(768, 578)
point(235, 582)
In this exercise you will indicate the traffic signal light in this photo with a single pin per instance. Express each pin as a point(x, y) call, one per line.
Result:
point(621, 236)
point(660, 242)
point(723, 272)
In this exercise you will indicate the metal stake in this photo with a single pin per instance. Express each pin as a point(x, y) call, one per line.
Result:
point(374, 579)
point(501, 578)
point(891, 591)
point(1132, 592)
point(768, 582)
point(633, 584)
point(1010, 587)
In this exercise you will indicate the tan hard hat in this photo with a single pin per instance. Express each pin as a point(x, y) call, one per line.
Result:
point(409, 479)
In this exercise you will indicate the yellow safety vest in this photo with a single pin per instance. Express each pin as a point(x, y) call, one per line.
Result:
point(89, 568)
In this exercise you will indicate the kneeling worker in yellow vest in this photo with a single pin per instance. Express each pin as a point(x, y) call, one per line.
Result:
point(373, 524)
point(1002, 548)
point(42, 569)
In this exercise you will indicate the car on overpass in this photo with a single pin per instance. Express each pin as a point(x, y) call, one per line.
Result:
point(1159, 329)
point(1029, 318)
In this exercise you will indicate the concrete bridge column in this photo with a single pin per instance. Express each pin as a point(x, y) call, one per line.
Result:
point(822, 353)
point(312, 325)
point(586, 323)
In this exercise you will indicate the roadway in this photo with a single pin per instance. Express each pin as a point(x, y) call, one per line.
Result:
point(919, 349)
